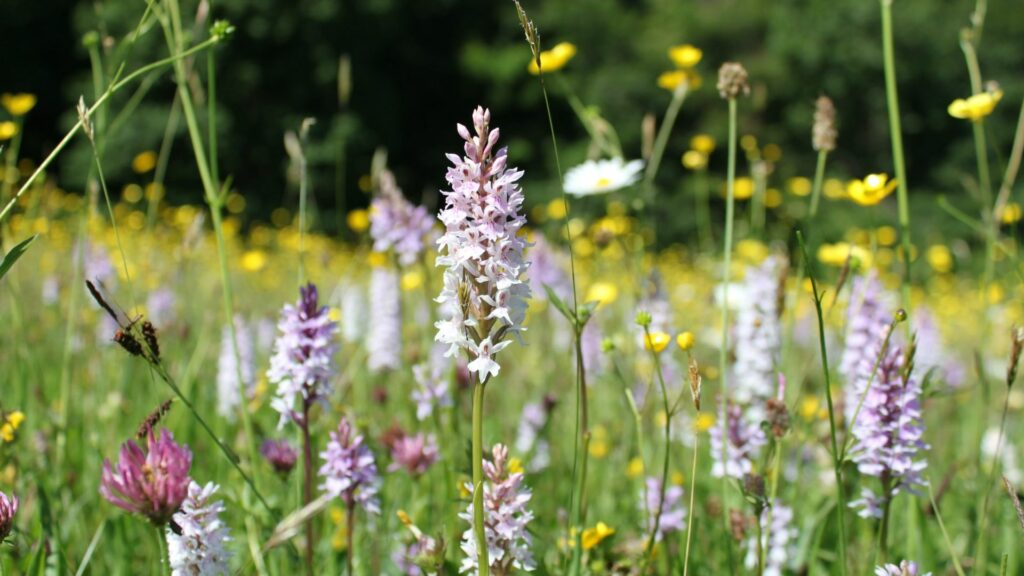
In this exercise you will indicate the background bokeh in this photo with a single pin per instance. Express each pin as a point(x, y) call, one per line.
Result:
point(417, 68)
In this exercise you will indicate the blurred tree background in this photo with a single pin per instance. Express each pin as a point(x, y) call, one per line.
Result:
point(417, 68)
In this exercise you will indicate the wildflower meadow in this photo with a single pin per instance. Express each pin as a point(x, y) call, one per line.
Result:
point(610, 329)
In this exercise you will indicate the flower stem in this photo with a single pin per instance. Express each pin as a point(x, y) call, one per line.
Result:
point(723, 351)
point(307, 485)
point(693, 490)
point(661, 140)
point(583, 452)
point(668, 451)
point(163, 564)
point(896, 135)
point(483, 563)
point(350, 526)
point(819, 176)
point(836, 462)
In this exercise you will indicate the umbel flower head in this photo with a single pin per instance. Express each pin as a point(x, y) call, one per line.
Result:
point(505, 519)
point(8, 508)
point(198, 548)
point(303, 361)
point(888, 434)
point(153, 482)
point(396, 224)
point(602, 176)
point(349, 470)
point(485, 291)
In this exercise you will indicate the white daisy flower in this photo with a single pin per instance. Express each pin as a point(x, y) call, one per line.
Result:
point(602, 176)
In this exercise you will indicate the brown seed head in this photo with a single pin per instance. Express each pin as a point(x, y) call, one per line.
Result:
point(732, 80)
point(778, 417)
point(824, 134)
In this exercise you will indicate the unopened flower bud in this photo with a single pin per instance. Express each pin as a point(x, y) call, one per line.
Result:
point(643, 318)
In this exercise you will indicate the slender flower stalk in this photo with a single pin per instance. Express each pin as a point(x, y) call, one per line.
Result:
point(485, 290)
point(644, 319)
point(836, 459)
point(896, 135)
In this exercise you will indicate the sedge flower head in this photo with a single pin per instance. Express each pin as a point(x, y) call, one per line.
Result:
point(199, 546)
point(18, 104)
point(976, 107)
point(871, 190)
point(685, 55)
point(8, 509)
point(554, 59)
point(152, 482)
point(303, 362)
point(349, 470)
point(602, 176)
point(485, 289)
point(505, 519)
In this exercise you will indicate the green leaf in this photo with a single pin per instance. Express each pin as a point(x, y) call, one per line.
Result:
point(11, 257)
point(560, 305)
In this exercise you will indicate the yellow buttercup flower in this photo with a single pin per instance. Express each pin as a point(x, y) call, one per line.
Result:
point(695, 160)
point(799, 186)
point(377, 259)
point(144, 162)
point(412, 280)
point(515, 466)
point(593, 536)
point(976, 107)
point(635, 467)
point(871, 190)
point(704, 422)
point(809, 407)
point(1011, 213)
point(7, 130)
point(656, 341)
point(686, 340)
point(887, 235)
point(836, 254)
point(358, 220)
point(743, 188)
point(556, 209)
point(772, 198)
point(603, 292)
point(254, 260)
point(598, 449)
point(939, 258)
point(703, 143)
point(554, 59)
point(685, 55)
point(18, 104)
point(10, 425)
point(673, 78)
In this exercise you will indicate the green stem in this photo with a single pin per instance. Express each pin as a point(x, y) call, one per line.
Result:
point(693, 490)
point(981, 546)
point(163, 565)
point(836, 462)
point(896, 135)
point(661, 140)
point(819, 176)
point(703, 210)
point(945, 534)
point(483, 563)
point(583, 423)
point(668, 451)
